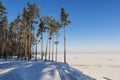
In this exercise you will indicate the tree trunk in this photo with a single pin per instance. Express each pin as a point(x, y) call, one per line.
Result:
point(19, 49)
point(46, 50)
point(28, 46)
point(3, 43)
point(29, 40)
point(56, 53)
point(36, 52)
point(19, 54)
point(52, 47)
point(42, 46)
point(6, 46)
point(56, 47)
point(49, 48)
point(64, 44)
point(26, 49)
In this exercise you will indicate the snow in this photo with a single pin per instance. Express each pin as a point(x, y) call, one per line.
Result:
point(101, 66)
point(39, 70)
point(81, 67)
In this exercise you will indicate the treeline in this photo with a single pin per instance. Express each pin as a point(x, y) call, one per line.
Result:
point(20, 36)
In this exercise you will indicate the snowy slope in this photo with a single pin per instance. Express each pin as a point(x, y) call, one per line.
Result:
point(39, 70)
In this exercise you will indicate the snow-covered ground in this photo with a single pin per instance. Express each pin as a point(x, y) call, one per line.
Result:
point(101, 66)
point(39, 70)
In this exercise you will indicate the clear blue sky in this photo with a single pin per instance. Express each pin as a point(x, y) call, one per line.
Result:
point(95, 23)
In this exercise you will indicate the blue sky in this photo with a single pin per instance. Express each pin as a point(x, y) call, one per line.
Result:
point(95, 23)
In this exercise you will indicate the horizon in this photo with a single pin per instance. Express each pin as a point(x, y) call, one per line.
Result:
point(95, 24)
point(86, 52)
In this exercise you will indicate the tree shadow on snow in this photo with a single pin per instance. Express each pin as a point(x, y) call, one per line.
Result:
point(68, 73)
point(106, 78)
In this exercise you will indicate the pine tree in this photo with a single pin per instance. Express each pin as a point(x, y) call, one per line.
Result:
point(64, 23)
